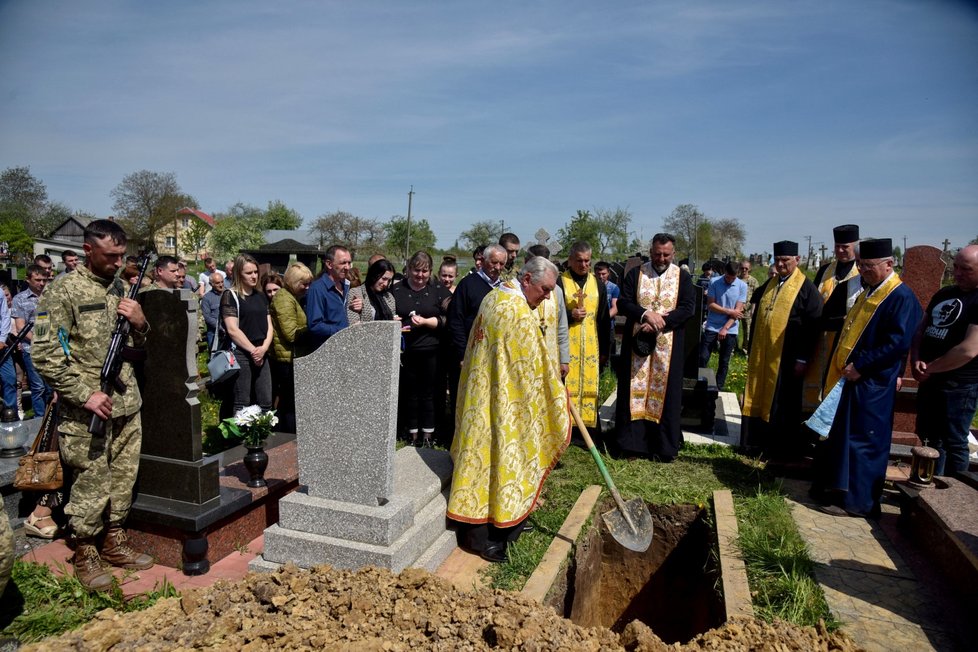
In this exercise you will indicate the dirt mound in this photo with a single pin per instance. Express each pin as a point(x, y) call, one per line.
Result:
point(372, 609)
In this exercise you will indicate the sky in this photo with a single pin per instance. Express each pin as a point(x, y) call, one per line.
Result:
point(792, 117)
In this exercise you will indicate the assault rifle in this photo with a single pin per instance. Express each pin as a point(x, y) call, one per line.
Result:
point(16, 342)
point(118, 352)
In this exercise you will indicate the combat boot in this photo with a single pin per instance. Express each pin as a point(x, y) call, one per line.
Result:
point(118, 552)
point(88, 566)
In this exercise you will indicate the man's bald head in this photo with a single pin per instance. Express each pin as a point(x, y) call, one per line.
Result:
point(966, 268)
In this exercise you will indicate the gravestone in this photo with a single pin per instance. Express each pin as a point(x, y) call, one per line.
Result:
point(359, 502)
point(923, 269)
point(172, 463)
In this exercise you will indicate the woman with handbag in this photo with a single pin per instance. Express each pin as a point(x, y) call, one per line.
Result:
point(288, 340)
point(248, 326)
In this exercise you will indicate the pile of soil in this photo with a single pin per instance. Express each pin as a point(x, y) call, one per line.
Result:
point(373, 609)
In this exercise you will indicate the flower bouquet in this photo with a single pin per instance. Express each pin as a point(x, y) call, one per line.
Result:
point(251, 425)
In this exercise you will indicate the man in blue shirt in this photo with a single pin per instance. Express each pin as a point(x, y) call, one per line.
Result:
point(326, 299)
point(23, 311)
point(725, 301)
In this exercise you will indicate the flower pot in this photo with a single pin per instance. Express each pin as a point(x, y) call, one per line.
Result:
point(256, 461)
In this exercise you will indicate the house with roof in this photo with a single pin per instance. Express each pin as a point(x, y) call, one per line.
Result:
point(174, 238)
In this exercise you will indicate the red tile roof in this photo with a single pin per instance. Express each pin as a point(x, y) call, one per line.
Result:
point(199, 213)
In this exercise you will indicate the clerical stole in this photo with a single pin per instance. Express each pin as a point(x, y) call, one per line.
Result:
point(582, 379)
point(547, 313)
point(767, 342)
point(815, 373)
point(829, 282)
point(650, 374)
point(512, 422)
point(856, 321)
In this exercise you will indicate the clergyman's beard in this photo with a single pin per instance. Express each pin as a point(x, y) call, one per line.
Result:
point(660, 268)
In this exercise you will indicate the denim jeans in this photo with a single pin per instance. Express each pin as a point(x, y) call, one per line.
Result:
point(8, 379)
point(40, 392)
point(944, 413)
point(710, 341)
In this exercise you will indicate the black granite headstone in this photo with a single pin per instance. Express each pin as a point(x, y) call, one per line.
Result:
point(172, 464)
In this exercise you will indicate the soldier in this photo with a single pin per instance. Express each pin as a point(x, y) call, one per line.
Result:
point(6, 551)
point(75, 320)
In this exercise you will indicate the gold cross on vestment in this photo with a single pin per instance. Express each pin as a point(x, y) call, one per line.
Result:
point(581, 296)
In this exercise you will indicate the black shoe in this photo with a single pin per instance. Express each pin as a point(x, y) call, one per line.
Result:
point(495, 553)
point(527, 527)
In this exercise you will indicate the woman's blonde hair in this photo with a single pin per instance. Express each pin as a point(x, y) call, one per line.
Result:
point(239, 262)
point(297, 273)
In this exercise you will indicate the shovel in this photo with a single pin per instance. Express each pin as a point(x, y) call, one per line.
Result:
point(631, 523)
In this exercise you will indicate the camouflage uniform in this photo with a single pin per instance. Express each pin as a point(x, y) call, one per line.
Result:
point(6, 551)
point(103, 469)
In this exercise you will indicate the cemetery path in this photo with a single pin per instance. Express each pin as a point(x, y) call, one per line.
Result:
point(876, 581)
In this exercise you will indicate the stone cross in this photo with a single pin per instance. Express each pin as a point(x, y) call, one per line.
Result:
point(543, 238)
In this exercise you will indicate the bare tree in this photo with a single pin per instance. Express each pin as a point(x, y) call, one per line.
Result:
point(684, 223)
point(353, 232)
point(147, 201)
point(728, 237)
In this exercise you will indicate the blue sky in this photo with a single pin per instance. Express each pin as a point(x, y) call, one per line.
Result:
point(792, 117)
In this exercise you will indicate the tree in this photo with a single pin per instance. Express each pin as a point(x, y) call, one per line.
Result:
point(19, 186)
point(613, 231)
point(686, 224)
point(241, 227)
point(483, 232)
point(728, 238)
point(422, 237)
point(357, 234)
point(146, 201)
point(280, 216)
point(581, 228)
point(24, 196)
point(194, 237)
point(15, 235)
point(975, 241)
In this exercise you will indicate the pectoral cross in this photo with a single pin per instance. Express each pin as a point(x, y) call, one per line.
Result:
point(581, 296)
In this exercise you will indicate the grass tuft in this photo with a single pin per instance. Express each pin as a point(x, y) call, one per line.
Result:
point(38, 603)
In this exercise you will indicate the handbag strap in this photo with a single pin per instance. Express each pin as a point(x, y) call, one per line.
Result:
point(220, 324)
point(48, 423)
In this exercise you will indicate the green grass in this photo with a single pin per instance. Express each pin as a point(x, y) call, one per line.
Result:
point(779, 566)
point(39, 603)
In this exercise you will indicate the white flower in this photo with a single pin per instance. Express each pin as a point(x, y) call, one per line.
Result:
point(247, 415)
point(274, 420)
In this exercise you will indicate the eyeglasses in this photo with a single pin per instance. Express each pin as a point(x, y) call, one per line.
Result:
point(867, 264)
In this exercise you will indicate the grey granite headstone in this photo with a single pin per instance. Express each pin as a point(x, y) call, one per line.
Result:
point(358, 503)
point(172, 464)
point(346, 414)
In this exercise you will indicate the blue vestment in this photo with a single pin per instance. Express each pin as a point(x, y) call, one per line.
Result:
point(858, 447)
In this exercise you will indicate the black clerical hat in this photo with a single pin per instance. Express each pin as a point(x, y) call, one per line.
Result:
point(846, 233)
point(870, 248)
point(786, 248)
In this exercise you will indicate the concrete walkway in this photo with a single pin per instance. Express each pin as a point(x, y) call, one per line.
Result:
point(875, 582)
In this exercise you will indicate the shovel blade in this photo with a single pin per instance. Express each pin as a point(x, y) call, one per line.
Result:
point(638, 539)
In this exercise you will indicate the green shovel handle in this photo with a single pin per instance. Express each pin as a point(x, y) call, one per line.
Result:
point(601, 467)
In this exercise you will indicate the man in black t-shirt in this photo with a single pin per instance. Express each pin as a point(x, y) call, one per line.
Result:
point(944, 359)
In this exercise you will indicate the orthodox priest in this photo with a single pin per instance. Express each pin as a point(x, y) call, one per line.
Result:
point(839, 284)
point(588, 332)
point(512, 421)
point(787, 308)
point(870, 355)
point(657, 299)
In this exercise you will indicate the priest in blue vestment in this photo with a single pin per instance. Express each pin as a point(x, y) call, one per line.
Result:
point(870, 355)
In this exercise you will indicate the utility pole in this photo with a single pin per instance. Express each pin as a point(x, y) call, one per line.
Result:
point(808, 259)
point(904, 244)
point(502, 227)
point(407, 241)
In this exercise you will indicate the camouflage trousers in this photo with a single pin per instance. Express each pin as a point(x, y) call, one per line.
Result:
point(103, 469)
point(6, 550)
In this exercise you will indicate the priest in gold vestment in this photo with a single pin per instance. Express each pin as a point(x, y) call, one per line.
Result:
point(512, 421)
point(786, 308)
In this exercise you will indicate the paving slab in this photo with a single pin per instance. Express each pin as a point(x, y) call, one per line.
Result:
point(868, 584)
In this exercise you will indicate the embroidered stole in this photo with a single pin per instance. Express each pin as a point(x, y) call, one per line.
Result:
point(547, 311)
point(650, 375)
point(856, 321)
point(770, 324)
point(582, 379)
point(815, 374)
